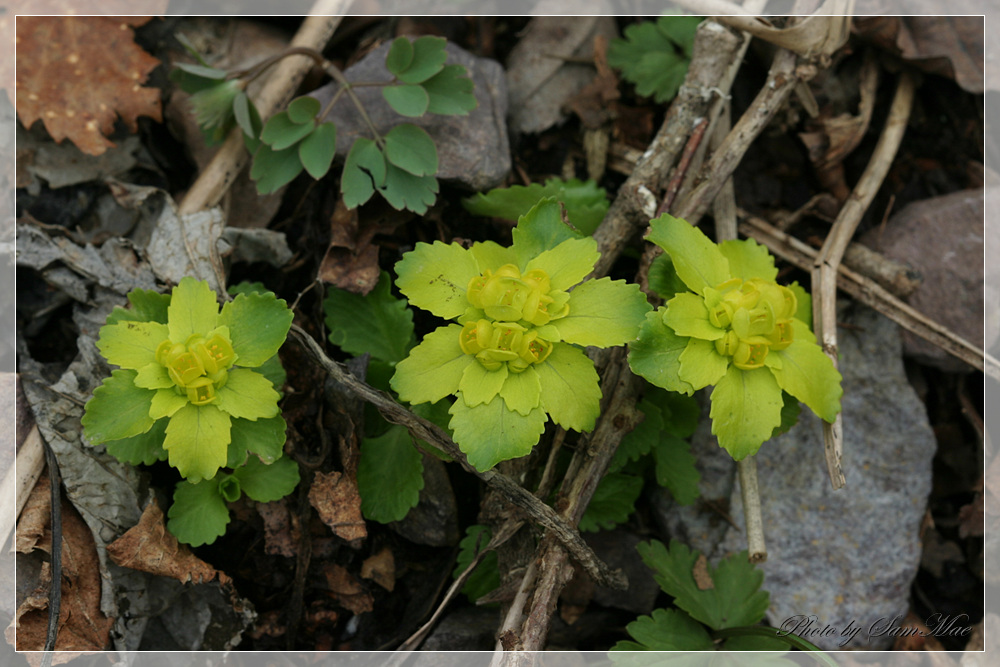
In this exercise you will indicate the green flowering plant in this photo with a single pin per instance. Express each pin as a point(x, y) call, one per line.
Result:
point(513, 355)
point(732, 326)
point(195, 386)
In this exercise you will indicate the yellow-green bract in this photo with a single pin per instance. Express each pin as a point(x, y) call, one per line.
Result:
point(738, 330)
point(185, 381)
point(522, 314)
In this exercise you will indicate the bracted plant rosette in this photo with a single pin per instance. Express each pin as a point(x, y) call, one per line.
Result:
point(185, 389)
point(513, 357)
point(736, 329)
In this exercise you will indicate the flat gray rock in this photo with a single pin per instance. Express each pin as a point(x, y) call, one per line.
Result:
point(942, 238)
point(849, 556)
point(473, 150)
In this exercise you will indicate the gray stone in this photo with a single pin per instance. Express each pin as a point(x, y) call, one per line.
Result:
point(942, 238)
point(473, 150)
point(465, 629)
point(617, 548)
point(848, 555)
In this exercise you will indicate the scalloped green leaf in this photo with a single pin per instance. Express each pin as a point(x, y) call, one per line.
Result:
point(408, 100)
point(670, 630)
point(273, 169)
point(364, 171)
point(586, 203)
point(486, 577)
point(131, 344)
point(746, 406)
point(490, 433)
point(411, 149)
point(681, 413)
point(479, 385)
point(654, 55)
point(748, 259)
point(378, 323)
point(701, 363)
point(248, 395)
point(698, 261)
point(145, 448)
point(435, 277)
point(153, 376)
point(571, 394)
point(258, 325)
point(198, 514)
point(663, 278)
point(317, 150)
point(808, 374)
point(149, 305)
point(612, 503)
point(433, 368)
point(450, 92)
point(390, 475)
point(656, 354)
point(197, 441)
point(193, 310)
point(675, 468)
point(540, 229)
point(265, 483)
point(522, 392)
point(403, 190)
point(263, 437)
point(117, 410)
point(603, 313)
point(568, 263)
point(687, 315)
point(735, 600)
point(639, 441)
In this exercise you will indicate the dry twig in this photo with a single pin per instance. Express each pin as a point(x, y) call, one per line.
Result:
point(824, 271)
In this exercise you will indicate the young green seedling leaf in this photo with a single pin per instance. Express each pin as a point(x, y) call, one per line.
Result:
point(378, 323)
point(280, 131)
point(407, 100)
point(666, 630)
point(317, 150)
point(390, 475)
point(301, 110)
point(486, 577)
point(199, 514)
point(450, 92)
point(411, 149)
point(364, 171)
point(586, 203)
point(400, 55)
point(265, 483)
point(613, 502)
point(654, 55)
point(428, 59)
point(273, 169)
point(403, 190)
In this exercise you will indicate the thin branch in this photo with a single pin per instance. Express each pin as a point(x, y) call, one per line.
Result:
point(870, 293)
point(824, 270)
point(219, 175)
point(538, 511)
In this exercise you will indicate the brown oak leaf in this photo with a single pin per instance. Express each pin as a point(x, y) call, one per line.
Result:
point(78, 73)
point(336, 500)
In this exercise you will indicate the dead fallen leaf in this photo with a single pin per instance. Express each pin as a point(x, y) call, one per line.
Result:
point(32, 528)
point(78, 73)
point(148, 547)
point(380, 568)
point(950, 46)
point(347, 590)
point(351, 261)
point(281, 535)
point(702, 577)
point(82, 626)
point(335, 498)
point(596, 103)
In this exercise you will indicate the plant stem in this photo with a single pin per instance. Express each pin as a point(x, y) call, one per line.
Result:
point(751, 509)
point(792, 640)
point(348, 87)
point(251, 73)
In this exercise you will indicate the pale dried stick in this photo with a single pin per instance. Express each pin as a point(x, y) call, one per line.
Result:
point(219, 175)
point(870, 293)
point(19, 480)
point(824, 271)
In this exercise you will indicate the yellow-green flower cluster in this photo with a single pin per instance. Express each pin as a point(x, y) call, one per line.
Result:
point(757, 316)
point(200, 367)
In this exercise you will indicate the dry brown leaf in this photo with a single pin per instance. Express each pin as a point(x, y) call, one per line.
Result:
point(347, 590)
point(78, 73)
point(950, 46)
point(335, 498)
point(32, 528)
point(280, 534)
point(380, 568)
point(148, 547)
point(351, 261)
point(702, 577)
point(82, 626)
